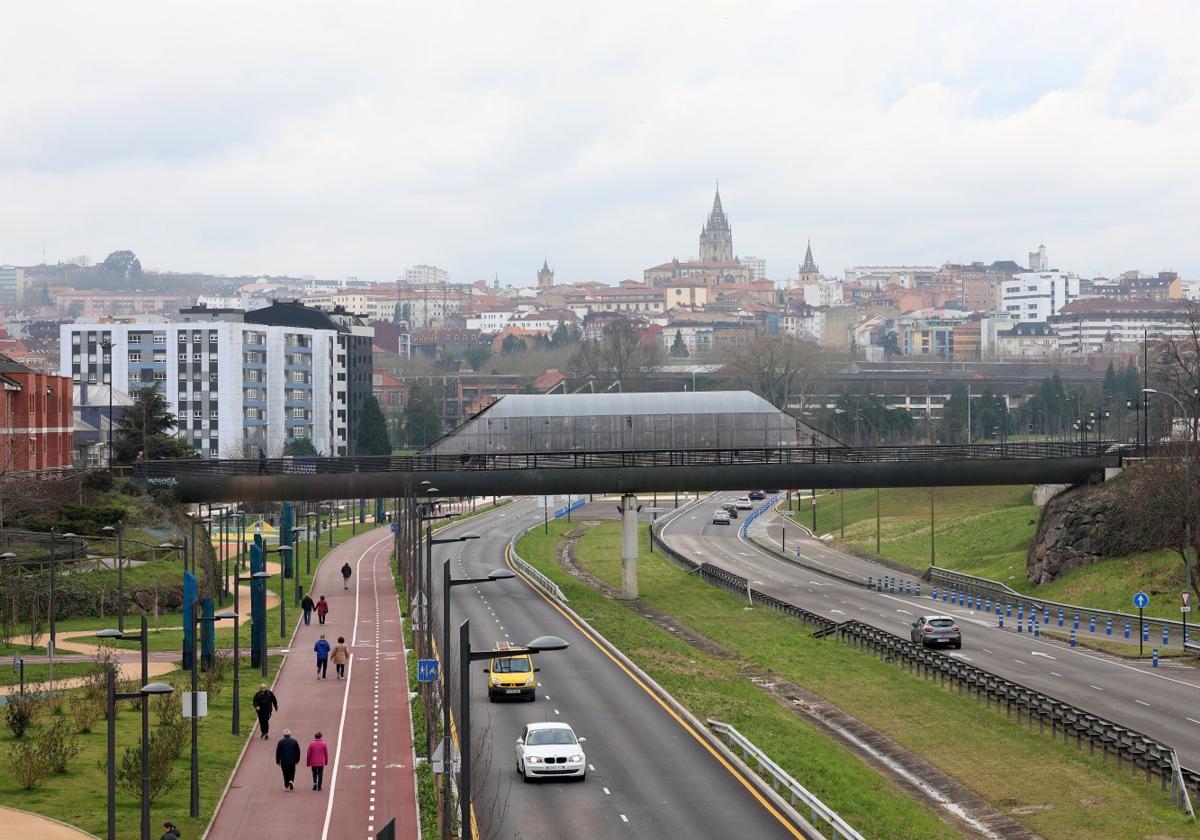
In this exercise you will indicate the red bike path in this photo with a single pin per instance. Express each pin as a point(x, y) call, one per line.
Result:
point(364, 719)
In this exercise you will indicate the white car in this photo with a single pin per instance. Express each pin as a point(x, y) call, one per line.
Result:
point(744, 503)
point(720, 517)
point(547, 750)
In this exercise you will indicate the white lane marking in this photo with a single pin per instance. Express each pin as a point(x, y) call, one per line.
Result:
point(985, 650)
point(1039, 653)
point(1055, 674)
point(962, 656)
point(1193, 720)
point(1098, 688)
point(607, 792)
point(839, 612)
point(1018, 661)
point(624, 818)
point(906, 612)
point(1142, 702)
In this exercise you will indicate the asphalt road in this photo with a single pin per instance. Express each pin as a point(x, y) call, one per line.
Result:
point(1160, 702)
point(648, 777)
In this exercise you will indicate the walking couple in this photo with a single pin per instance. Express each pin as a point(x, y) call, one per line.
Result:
point(287, 756)
point(340, 655)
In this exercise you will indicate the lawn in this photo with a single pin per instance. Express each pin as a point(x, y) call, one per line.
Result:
point(986, 531)
point(78, 796)
point(1085, 799)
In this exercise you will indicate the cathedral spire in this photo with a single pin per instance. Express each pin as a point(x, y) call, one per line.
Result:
point(716, 238)
point(809, 267)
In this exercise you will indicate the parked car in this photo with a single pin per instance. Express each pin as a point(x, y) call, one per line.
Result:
point(550, 749)
point(731, 509)
point(720, 517)
point(936, 630)
point(744, 503)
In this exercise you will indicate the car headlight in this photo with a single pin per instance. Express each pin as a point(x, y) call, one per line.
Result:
point(533, 759)
point(576, 757)
point(529, 680)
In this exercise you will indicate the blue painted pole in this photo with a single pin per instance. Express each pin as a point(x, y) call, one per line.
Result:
point(1145, 632)
point(1126, 629)
point(1000, 620)
point(1092, 624)
point(1166, 635)
point(870, 582)
point(1037, 630)
point(1073, 637)
point(918, 589)
point(1108, 626)
point(1008, 608)
point(1060, 617)
point(1156, 657)
point(1075, 625)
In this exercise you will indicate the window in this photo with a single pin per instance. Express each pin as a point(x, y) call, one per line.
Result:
point(135, 357)
point(213, 376)
point(197, 357)
point(182, 337)
point(212, 412)
point(160, 376)
point(198, 413)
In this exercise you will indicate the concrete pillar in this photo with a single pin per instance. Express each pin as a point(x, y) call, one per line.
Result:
point(629, 546)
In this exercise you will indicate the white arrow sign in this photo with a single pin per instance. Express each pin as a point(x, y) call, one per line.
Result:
point(1039, 653)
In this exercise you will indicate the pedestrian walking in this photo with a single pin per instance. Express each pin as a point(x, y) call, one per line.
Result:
point(307, 605)
point(318, 757)
point(264, 704)
point(170, 832)
point(340, 656)
point(262, 461)
point(346, 570)
point(322, 609)
point(287, 756)
point(321, 648)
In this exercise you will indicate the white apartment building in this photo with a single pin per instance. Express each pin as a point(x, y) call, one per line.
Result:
point(907, 276)
point(757, 266)
point(233, 386)
point(1036, 295)
point(823, 293)
point(1092, 324)
point(422, 275)
point(490, 321)
point(807, 324)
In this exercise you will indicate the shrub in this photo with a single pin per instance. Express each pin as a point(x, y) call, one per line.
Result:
point(85, 712)
point(213, 679)
point(21, 711)
point(27, 763)
point(162, 765)
point(58, 745)
point(167, 708)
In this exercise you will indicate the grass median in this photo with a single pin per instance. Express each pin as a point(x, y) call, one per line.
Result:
point(1058, 792)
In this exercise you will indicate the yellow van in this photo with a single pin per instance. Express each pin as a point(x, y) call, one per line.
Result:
point(511, 677)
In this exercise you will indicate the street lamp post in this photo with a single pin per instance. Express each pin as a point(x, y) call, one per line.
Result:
point(282, 599)
point(466, 656)
point(143, 644)
point(118, 529)
point(308, 540)
point(144, 693)
point(194, 799)
point(299, 594)
point(238, 580)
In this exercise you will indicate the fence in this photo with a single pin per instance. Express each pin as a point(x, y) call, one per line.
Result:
point(544, 583)
point(35, 546)
point(1127, 746)
point(797, 793)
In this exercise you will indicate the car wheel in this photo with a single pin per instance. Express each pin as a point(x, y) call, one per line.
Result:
point(524, 778)
point(958, 645)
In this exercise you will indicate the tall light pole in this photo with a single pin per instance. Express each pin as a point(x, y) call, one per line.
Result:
point(107, 345)
point(118, 529)
point(237, 653)
point(447, 583)
point(144, 694)
point(282, 598)
point(143, 639)
point(194, 799)
point(308, 540)
point(466, 656)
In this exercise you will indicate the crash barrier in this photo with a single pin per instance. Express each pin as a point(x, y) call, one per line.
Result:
point(999, 591)
point(779, 778)
point(1127, 746)
point(544, 583)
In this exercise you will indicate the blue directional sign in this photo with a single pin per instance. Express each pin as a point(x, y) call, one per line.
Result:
point(395, 527)
point(1140, 600)
point(427, 670)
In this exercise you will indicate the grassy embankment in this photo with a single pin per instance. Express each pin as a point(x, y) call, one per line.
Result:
point(1069, 796)
point(986, 531)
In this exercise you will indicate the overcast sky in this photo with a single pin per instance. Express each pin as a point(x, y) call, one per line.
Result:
point(355, 139)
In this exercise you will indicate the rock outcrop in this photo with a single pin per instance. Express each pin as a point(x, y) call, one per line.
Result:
point(1069, 536)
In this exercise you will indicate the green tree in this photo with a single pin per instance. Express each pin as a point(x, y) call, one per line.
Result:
point(476, 356)
point(372, 437)
point(299, 446)
point(145, 427)
point(891, 344)
point(678, 348)
point(1111, 384)
point(422, 417)
point(512, 344)
point(953, 428)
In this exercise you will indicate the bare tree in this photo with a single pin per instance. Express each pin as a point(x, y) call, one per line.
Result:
point(780, 369)
point(620, 355)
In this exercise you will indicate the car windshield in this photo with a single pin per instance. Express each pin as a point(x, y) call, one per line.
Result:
point(543, 737)
point(941, 622)
point(514, 665)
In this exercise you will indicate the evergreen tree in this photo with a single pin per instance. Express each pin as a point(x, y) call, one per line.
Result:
point(299, 446)
point(146, 427)
point(422, 419)
point(678, 348)
point(954, 416)
point(1111, 385)
point(476, 356)
point(560, 337)
point(372, 437)
point(512, 344)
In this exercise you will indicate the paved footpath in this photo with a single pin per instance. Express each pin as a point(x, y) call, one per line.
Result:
point(364, 719)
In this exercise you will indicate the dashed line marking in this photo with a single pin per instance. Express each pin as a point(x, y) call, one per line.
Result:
point(1142, 702)
point(1098, 688)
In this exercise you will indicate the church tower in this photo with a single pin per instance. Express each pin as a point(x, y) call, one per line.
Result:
point(716, 239)
point(545, 276)
point(809, 273)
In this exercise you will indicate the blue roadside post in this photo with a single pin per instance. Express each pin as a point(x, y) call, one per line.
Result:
point(1141, 600)
point(1060, 617)
point(1126, 629)
point(1092, 624)
point(1155, 657)
point(1108, 626)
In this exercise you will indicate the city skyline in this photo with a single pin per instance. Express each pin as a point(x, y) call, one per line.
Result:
point(496, 139)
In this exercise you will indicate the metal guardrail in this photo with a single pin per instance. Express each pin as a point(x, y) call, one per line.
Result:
point(797, 793)
point(1128, 746)
point(973, 585)
point(621, 459)
point(64, 548)
point(544, 583)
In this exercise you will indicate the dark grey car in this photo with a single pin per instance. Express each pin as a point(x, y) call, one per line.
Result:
point(932, 630)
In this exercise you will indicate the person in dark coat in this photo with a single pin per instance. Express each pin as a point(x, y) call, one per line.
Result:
point(321, 648)
point(170, 832)
point(322, 609)
point(287, 756)
point(264, 704)
point(307, 605)
point(346, 571)
point(262, 462)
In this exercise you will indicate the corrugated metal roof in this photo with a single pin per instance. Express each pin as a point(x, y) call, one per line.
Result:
point(584, 405)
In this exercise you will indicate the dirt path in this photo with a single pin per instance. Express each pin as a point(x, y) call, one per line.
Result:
point(29, 826)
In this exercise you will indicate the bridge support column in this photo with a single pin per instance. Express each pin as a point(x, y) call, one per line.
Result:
point(629, 546)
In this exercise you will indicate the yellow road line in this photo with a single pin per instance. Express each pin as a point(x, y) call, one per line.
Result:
point(642, 685)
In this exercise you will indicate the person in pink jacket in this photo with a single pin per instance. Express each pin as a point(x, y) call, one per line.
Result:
point(318, 757)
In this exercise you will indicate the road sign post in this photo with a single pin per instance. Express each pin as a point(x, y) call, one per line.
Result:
point(427, 670)
point(1185, 608)
point(1141, 601)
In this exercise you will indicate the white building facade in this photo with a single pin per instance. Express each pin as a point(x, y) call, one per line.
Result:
point(234, 387)
point(1036, 295)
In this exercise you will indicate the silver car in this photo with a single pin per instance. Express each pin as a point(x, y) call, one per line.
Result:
point(936, 630)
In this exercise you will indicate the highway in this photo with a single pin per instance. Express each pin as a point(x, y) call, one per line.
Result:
point(648, 777)
point(1161, 703)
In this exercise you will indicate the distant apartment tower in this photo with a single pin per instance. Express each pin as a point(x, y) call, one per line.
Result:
point(757, 266)
point(1036, 295)
point(1038, 261)
point(426, 275)
point(12, 286)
